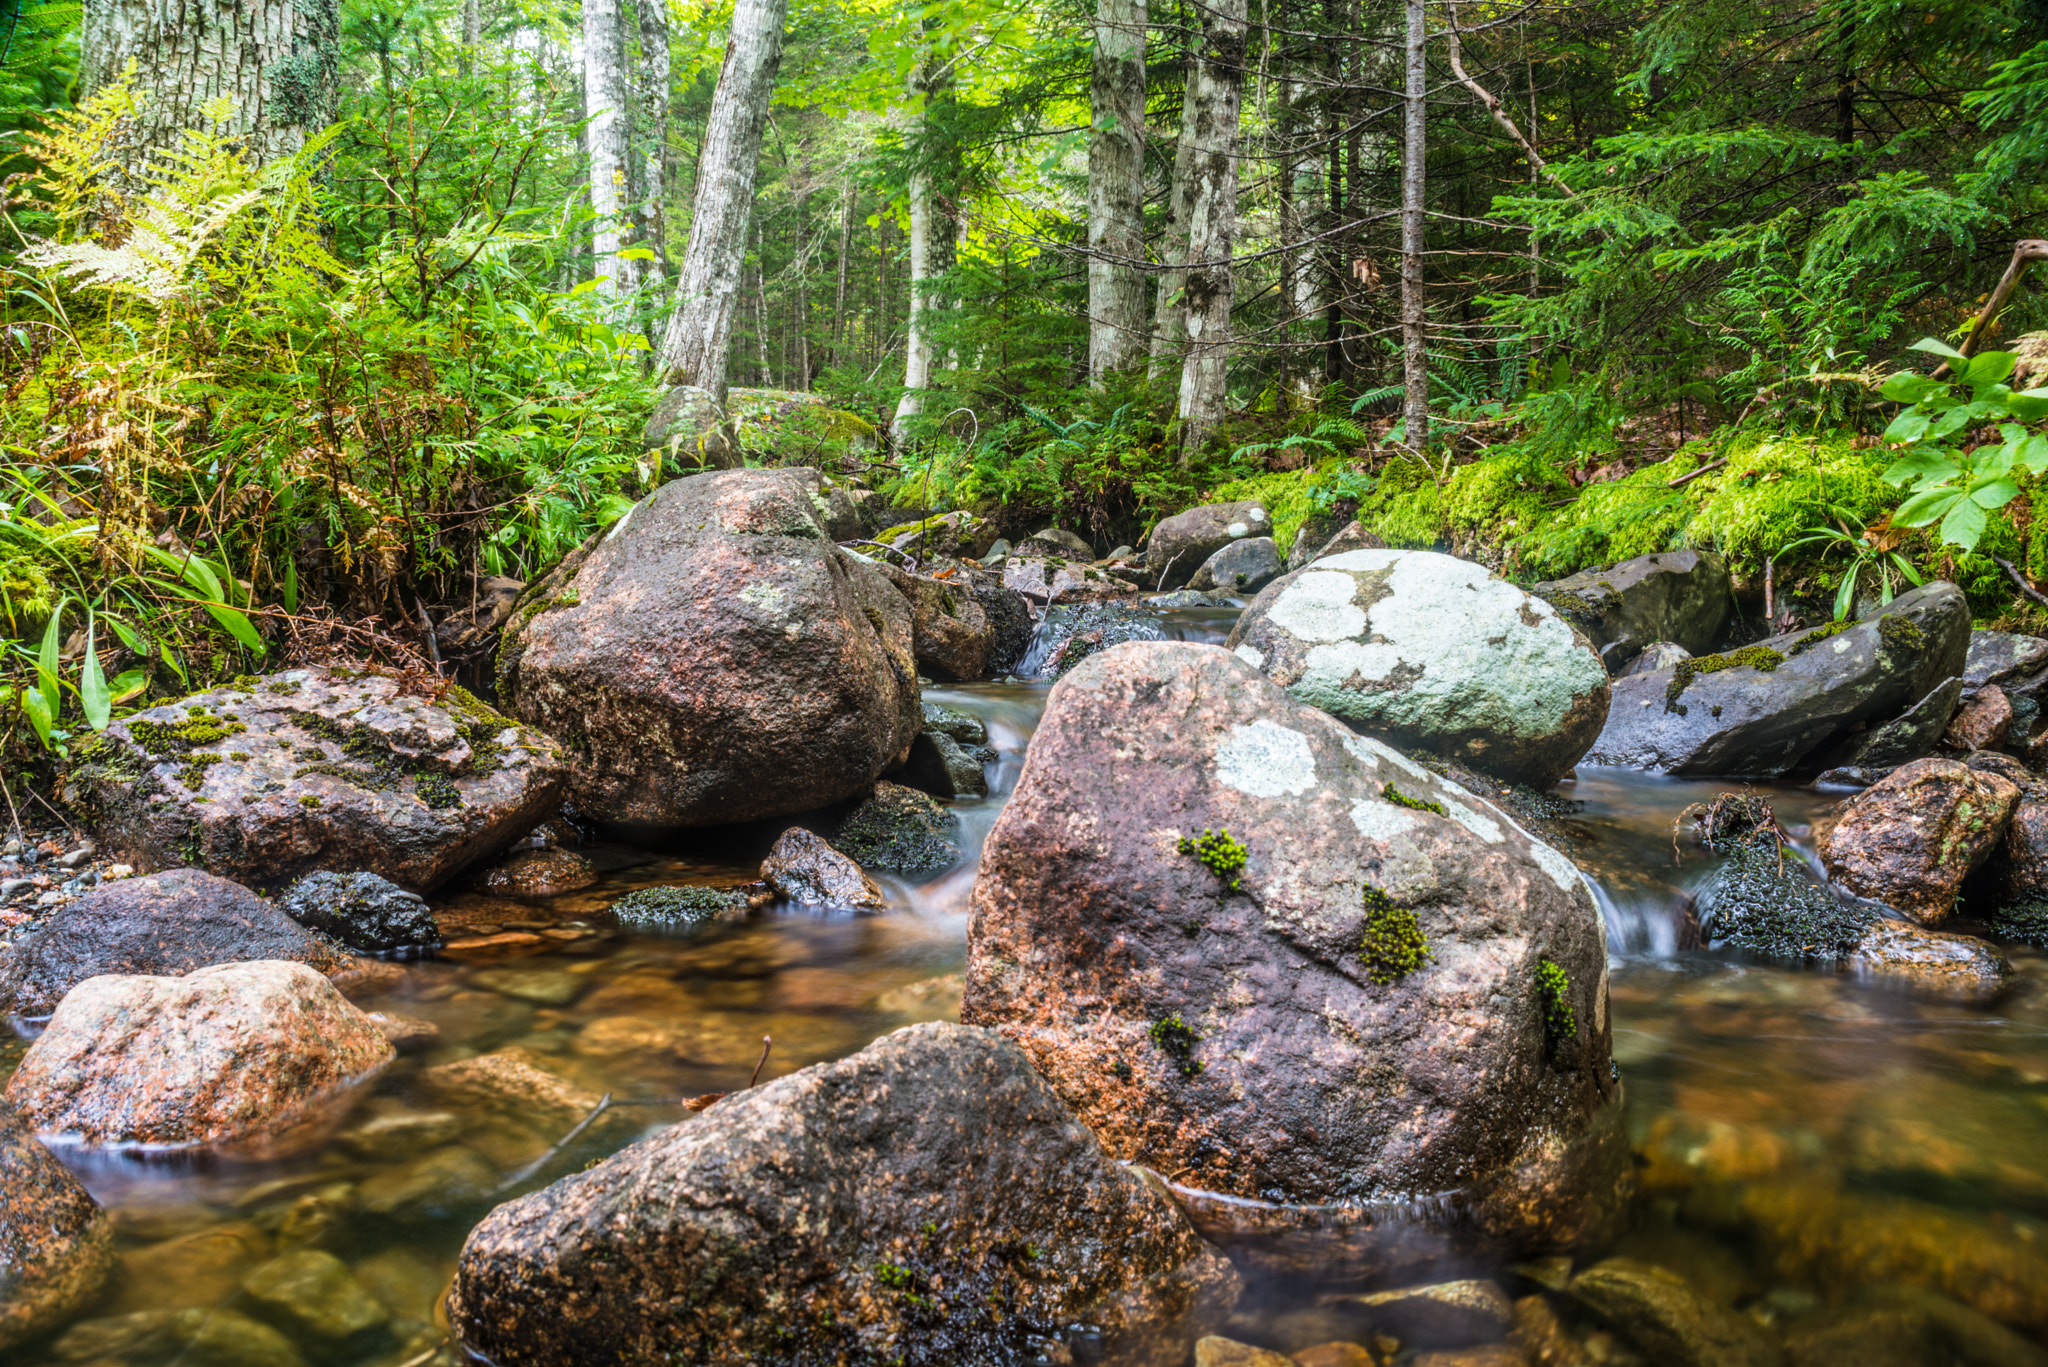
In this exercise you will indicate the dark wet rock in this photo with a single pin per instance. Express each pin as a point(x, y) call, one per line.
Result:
point(1767, 708)
point(2020, 867)
point(217, 1337)
point(1847, 776)
point(1063, 543)
point(684, 429)
point(949, 631)
point(159, 924)
point(364, 911)
point(673, 908)
point(536, 875)
point(1654, 656)
point(1241, 567)
point(1009, 622)
point(803, 869)
point(56, 1244)
point(1930, 961)
point(1441, 1315)
point(1765, 900)
point(1052, 580)
point(1911, 735)
point(2002, 657)
point(1678, 596)
point(1714, 1270)
point(844, 1213)
point(900, 830)
point(1070, 633)
point(1911, 839)
point(849, 512)
point(1432, 653)
point(1660, 1313)
point(942, 767)
point(714, 659)
point(1982, 722)
point(1335, 1354)
point(1179, 545)
point(1272, 1028)
point(312, 1296)
point(246, 1057)
point(2030, 784)
point(959, 725)
point(311, 769)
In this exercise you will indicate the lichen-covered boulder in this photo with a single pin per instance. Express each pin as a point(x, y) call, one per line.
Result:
point(805, 870)
point(714, 659)
point(273, 777)
point(56, 1244)
point(160, 925)
point(1241, 567)
point(1179, 545)
point(363, 911)
point(928, 1200)
point(1310, 547)
point(949, 631)
point(249, 1058)
point(1286, 963)
point(1432, 653)
point(1911, 735)
point(1780, 704)
point(1679, 596)
point(536, 875)
point(1910, 839)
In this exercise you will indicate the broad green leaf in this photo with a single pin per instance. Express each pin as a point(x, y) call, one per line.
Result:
point(1989, 368)
point(1996, 494)
point(1953, 421)
point(46, 659)
point(1923, 508)
point(129, 683)
point(1909, 386)
point(2031, 406)
point(1936, 347)
point(2033, 453)
point(635, 254)
point(129, 636)
point(1963, 525)
point(172, 660)
point(1921, 464)
point(38, 713)
point(1905, 567)
point(1845, 597)
point(92, 683)
point(1908, 426)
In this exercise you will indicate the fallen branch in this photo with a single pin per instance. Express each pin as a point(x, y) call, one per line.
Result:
point(2025, 253)
point(2020, 580)
point(1501, 115)
point(1692, 475)
point(604, 1104)
point(767, 1043)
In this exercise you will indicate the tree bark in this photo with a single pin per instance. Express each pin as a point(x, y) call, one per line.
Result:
point(1169, 318)
point(1414, 316)
point(472, 33)
point(276, 60)
point(650, 217)
point(917, 345)
point(699, 336)
point(1212, 110)
point(839, 286)
point(1116, 190)
point(604, 94)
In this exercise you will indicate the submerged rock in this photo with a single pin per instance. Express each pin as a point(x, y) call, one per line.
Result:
point(900, 830)
point(56, 1244)
point(274, 777)
point(536, 875)
point(1768, 708)
point(714, 659)
point(1441, 1315)
point(1677, 596)
point(1660, 1313)
point(675, 908)
point(246, 1057)
point(845, 1213)
point(362, 910)
point(1430, 652)
point(160, 925)
point(942, 767)
point(1286, 963)
point(1946, 965)
point(803, 869)
point(1179, 545)
point(313, 1296)
point(1910, 839)
point(1241, 567)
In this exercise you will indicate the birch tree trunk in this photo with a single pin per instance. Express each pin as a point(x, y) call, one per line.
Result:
point(650, 219)
point(1169, 327)
point(699, 336)
point(917, 343)
point(839, 286)
point(1116, 189)
point(472, 33)
point(1414, 316)
point(604, 94)
point(1212, 109)
point(277, 60)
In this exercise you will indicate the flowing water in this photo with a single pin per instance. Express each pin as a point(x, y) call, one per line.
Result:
point(1804, 1139)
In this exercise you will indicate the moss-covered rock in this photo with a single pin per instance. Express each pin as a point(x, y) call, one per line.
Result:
point(900, 830)
point(1764, 900)
point(676, 908)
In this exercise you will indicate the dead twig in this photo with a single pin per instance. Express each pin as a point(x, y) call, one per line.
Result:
point(767, 1043)
point(2025, 253)
point(604, 1104)
point(2020, 580)
point(1691, 475)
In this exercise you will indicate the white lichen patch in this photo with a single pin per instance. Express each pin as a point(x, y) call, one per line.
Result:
point(767, 596)
point(1485, 828)
point(1266, 759)
point(1251, 655)
point(1372, 750)
point(1237, 529)
point(1377, 820)
point(1562, 871)
point(1319, 607)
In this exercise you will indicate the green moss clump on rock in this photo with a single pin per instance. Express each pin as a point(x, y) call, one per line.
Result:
point(1177, 1040)
point(2026, 922)
point(1901, 635)
point(1393, 945)
point(1220, 854)
point(1553, 987)
point(1413, 804)
point(673, 907)
point(437, 791)
point(1760, 658)
point(899, 830)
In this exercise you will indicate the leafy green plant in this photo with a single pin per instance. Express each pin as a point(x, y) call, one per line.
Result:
point(1871, 555)
point(1954, 484)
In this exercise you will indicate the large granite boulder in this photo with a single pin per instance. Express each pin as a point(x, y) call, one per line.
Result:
point(714, 659)
point(273, 777)
point(1679, 596)
point(161, 925)
point(949, 631)
point(1432, 653)
point(56, 1244)
point(1288, 965)
point(684, 429)
point(248, 1058)
point(1769, 708)
point(363, 911)
point(1241, 567)
point(1182, 543)
point(927, 1201)
point(1910, 839)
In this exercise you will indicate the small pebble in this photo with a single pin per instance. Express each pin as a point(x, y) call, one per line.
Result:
point(113, 871)
point(74, 858)
point(52, 899)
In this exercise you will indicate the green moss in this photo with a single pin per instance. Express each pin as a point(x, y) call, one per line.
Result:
point(665, 908)
point(480, 725)
point(239, 756)
point(309, 800)
point(900, 830)
point(1761, 658)
point(1819, 634)
point(193, 773)
point(199, 728)
point(1220, 854)
point(1393, 945)
point(437, 791)
point(1900, 635)
point(1553, 989)
point(1413, 804)
point(2026, 922)
point(1177, 1040)
point(282, 687)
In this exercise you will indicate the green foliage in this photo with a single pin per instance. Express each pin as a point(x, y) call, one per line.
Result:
point(1177, 1040)
point(1954, 484)
point(1413, 804)
point(1393, 945)
point(1220, 854)
point(1887, 567)
point(1553, 991)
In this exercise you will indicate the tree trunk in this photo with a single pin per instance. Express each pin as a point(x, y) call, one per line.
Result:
point(472, 33)
point(764, 377)
point(694, 348)
point(1212, 110)
point(839, 288)
point(917, 345)
point(1414, 317)
point(1169, 325)
point(604, 94)
point(1116, 189)
point(650, 218)
point(276, 61)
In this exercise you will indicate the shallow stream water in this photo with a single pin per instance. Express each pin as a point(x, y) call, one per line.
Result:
point(1803, 1139)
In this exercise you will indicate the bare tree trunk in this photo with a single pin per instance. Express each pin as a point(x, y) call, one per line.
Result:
point(472, 33)
point(1116, 189)
point(1169, 327)
point(693, 350)
point(604, 94)
point(839, 288)
point(764, 377)
point(275, 59)
point(650, 216)
point(917, 345)
point(1212, 109)
point(1414, 315)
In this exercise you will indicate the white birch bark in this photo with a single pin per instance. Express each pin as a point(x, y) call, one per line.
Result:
point(1213, 105)
point(1116, 189)
point(277, 60)
point(695, 347)
point(917, 344)
point(604, 94)
point(1414, 316)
